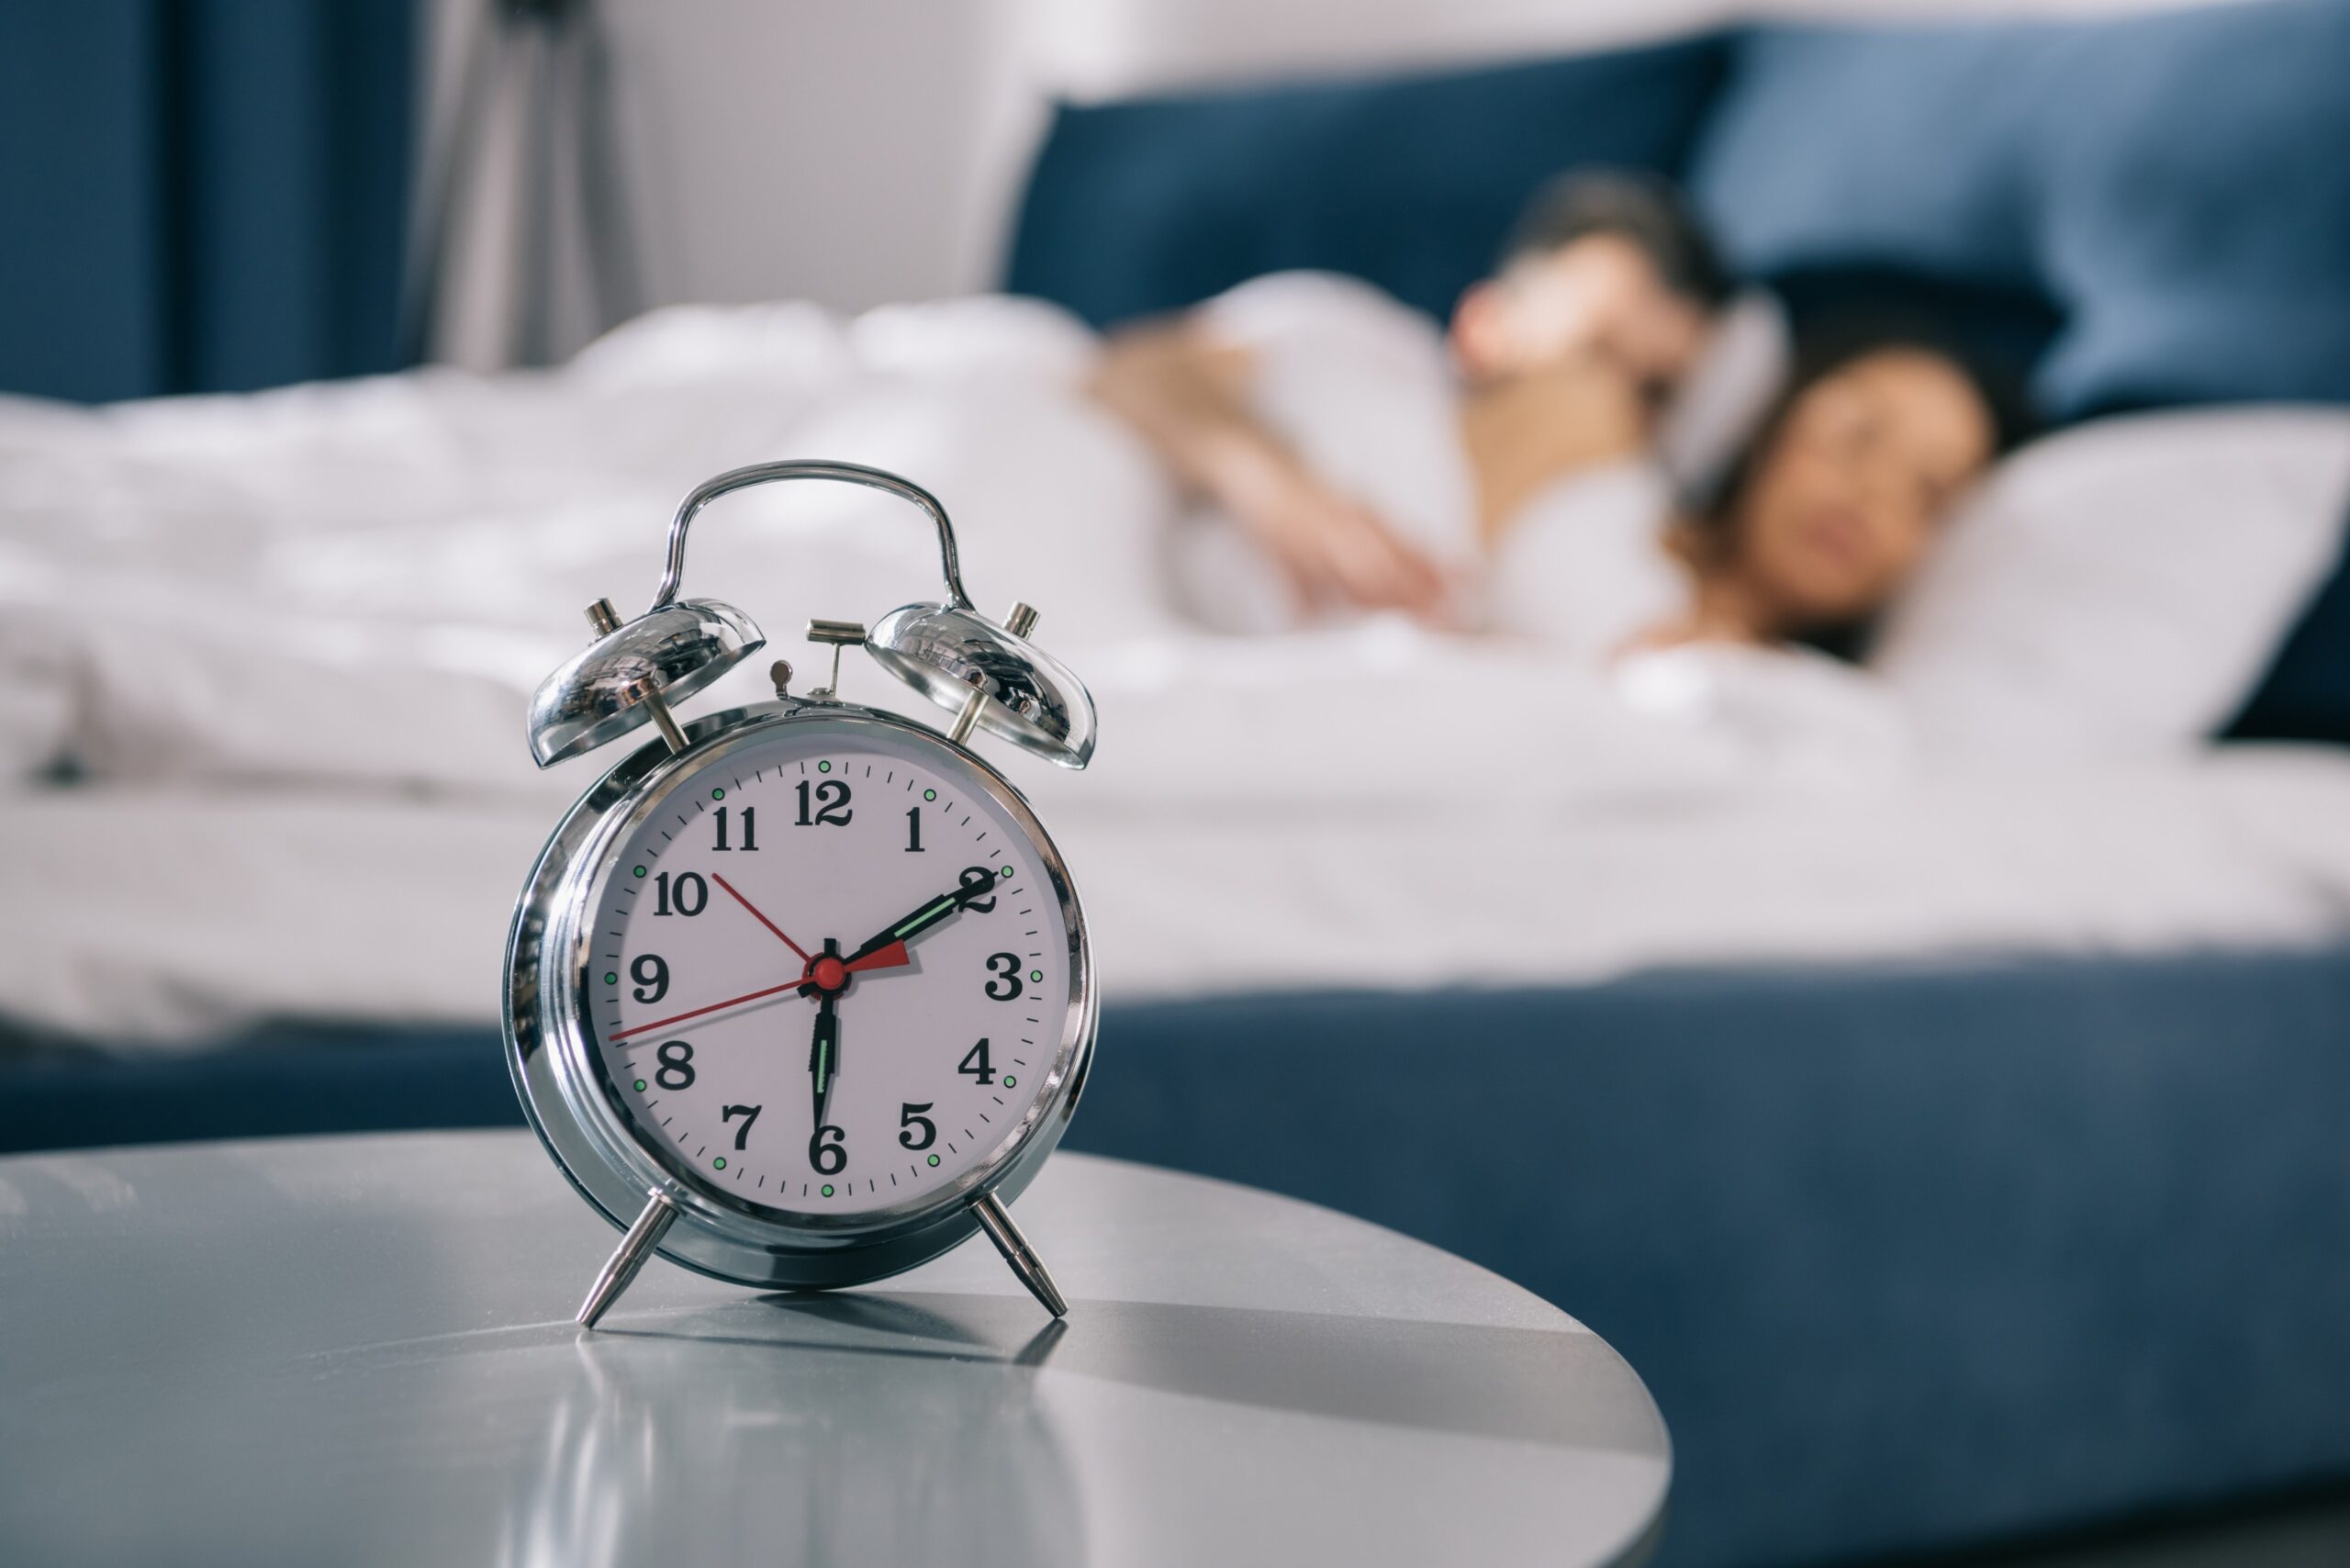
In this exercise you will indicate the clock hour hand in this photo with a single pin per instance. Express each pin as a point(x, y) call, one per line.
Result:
point(823, 1053)
point(977, 880)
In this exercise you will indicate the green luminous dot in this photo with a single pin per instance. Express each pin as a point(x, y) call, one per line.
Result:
point(828, 1186)
point(640, 870)
point(1007, 871)
point(719, 1162)
point(823, 767)
point(639, 1086)
point(933, 1159)
point(610, 978)
point(1035, 976)
point(1009, 1081)
point(718, 794)
point(930, 794)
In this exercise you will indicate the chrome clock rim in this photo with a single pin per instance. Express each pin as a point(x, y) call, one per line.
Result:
point(578, 1116)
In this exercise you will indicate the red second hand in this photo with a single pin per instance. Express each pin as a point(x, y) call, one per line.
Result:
point(730, 1001)
point(888, 958)
point(762, 919)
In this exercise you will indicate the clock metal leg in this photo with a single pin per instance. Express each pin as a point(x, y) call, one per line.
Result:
point(997, 1222)
point(627, 1259)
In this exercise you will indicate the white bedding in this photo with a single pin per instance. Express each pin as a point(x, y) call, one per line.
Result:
point(148, 919)
point(288, 638)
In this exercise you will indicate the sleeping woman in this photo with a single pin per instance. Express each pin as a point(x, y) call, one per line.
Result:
point(1824, 517)
point(1344, 456)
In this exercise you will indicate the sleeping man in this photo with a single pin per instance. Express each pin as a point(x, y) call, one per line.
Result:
point(1369, 460)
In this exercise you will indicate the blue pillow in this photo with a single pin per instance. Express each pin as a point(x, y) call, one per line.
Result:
point(1148, 205)
point(2178, 185)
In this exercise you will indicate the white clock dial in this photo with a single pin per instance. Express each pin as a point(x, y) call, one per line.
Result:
point(830, 973)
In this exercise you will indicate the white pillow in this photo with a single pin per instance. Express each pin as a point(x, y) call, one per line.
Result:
point(2118, 587)
point(1745, 364)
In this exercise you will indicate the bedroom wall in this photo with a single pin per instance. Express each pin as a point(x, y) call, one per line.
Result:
point(857, 154)
point(1101, 47)
point(820, 150)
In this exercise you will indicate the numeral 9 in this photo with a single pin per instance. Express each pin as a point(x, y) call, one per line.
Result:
point(652, 976)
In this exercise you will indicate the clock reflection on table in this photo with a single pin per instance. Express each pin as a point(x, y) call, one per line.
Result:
point(905, 1443)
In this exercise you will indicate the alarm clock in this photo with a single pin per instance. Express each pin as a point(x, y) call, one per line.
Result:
point(798, 995)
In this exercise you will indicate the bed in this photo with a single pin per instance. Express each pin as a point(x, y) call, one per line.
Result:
point(2074, 1192)
point(2050, 1148)
point(2003, 1104)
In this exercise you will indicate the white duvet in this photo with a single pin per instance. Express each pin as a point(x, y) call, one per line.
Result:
point(286, 640)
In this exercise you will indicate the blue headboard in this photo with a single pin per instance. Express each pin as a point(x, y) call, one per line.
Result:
point(2152, 210)
point(2176, 186)
point(1147, 204)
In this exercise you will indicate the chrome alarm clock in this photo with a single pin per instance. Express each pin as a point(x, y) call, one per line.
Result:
point(798, 995)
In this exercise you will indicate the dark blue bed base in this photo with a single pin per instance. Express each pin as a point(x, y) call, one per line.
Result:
point(1910, 1258)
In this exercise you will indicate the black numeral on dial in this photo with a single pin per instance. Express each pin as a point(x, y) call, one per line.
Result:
point(824, 805)
point(652, 976)
point(827, 1153)
point(920, 1131)
point(1005, 967)
point(750, 824)
point(976, 1063)
point(978, 877)
point(688, 895)
point(749, 1114)
point(913, 829)
point(678, 1068)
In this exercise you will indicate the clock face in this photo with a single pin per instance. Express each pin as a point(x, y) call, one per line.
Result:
point(830, 973)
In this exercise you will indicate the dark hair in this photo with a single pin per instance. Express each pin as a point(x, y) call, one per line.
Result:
point(1643, 208)
point(1822, 349)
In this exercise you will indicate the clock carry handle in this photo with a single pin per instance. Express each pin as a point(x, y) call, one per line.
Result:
point(673, 575)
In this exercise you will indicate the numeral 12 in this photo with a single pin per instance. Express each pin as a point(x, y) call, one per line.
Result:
point(828, 806)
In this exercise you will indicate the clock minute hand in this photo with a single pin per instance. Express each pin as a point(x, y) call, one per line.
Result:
point(928, 916)
point(823, 1054)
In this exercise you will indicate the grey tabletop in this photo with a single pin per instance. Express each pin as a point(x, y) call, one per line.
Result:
point(360, 1350)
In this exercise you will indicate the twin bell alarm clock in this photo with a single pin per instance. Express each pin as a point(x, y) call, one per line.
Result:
point(798, 995)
